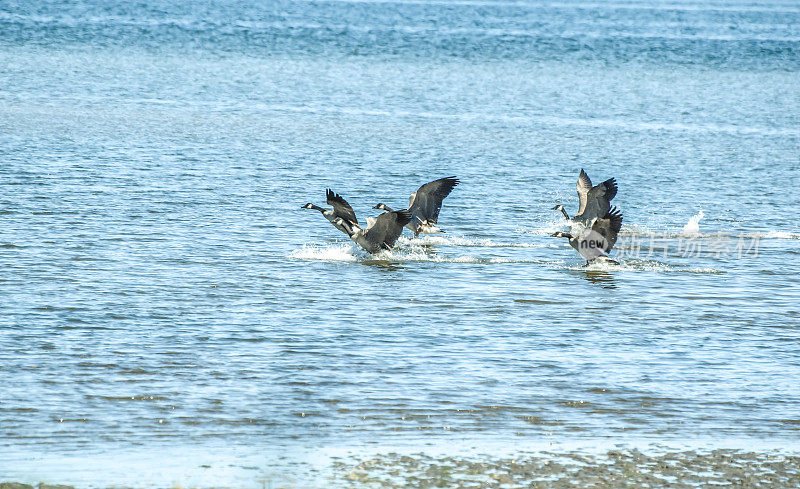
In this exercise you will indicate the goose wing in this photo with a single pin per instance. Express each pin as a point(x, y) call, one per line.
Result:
point(386, 228)
point(598, 198)
point(608, 227)
point(426, 202)
point(607, 189)
point(340, 206)
point(584, 187)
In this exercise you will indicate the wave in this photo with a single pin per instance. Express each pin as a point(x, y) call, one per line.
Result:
point(401, 256)
point(545, 228)
point(190, 23)
point(438, 240)
point(642, 232)
point(774, 235)
point(343, 252)
point(657, 266)
point(679, 7)
point(642, 265)
point(619, 124)
point(410, 251)
point(632, 238)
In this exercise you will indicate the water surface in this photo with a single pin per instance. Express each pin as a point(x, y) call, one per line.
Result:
point(166, 303)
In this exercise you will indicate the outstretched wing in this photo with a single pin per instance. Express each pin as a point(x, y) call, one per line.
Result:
point(340, 206)
point(386, 228)
point(607, 189)
point(427, 200)
point(600, 196)
point(608, 227)
point(595, 203)
point(584, 186)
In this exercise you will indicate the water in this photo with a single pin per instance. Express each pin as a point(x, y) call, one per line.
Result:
point(171, 312)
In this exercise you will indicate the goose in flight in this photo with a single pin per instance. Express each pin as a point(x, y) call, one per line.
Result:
point(424, 205)
point(381, 232)
point(596, 240)
point(593, 202)
point(341, 210)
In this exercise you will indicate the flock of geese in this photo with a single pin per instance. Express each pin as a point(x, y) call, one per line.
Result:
point(593, 230)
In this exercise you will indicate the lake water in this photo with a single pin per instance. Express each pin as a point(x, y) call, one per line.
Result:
point(171, 315)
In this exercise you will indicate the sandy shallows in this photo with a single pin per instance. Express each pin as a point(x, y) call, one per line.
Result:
point(614, 469)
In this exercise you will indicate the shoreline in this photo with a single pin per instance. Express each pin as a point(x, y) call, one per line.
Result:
point(613, 468)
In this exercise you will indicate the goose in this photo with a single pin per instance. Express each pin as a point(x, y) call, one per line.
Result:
point(593, 202)
point(341, 209)
point(381, 232)
point(424, 205)
point(596, 240)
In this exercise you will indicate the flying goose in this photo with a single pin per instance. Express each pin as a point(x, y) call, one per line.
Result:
point(341, 209)
point(424, 205)
point(381, 232)
point(597, 239)
point(593, 202)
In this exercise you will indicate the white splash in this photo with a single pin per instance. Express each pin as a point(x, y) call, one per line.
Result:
point(660, 267)
point(639, 230)
point(408, 250)
point(343, 252)
point(775, 235)
point(416, 253)
point(459, 241)
point(546, 228)
point(692, 228)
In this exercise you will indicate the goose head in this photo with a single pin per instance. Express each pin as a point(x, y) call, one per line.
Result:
point(559, 207)
point(381, 206)
point(308, 206)
point(559, 234)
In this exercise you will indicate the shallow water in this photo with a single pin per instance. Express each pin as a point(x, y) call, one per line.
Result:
point(167, 303)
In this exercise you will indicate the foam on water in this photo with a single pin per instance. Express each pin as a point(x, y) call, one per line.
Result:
point(774, 235)
point(692, 230)
point(416, 255)
point(657, 266)
point(439, 240)
point(407, 250)
point(640, 265)
point(412, 250)
point(546, 228)
point(340, 252)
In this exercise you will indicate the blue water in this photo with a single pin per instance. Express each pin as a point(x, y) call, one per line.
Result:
point(164, 298)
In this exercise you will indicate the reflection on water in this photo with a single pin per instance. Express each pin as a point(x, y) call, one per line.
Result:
point(385, 265)
point(600, 277)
